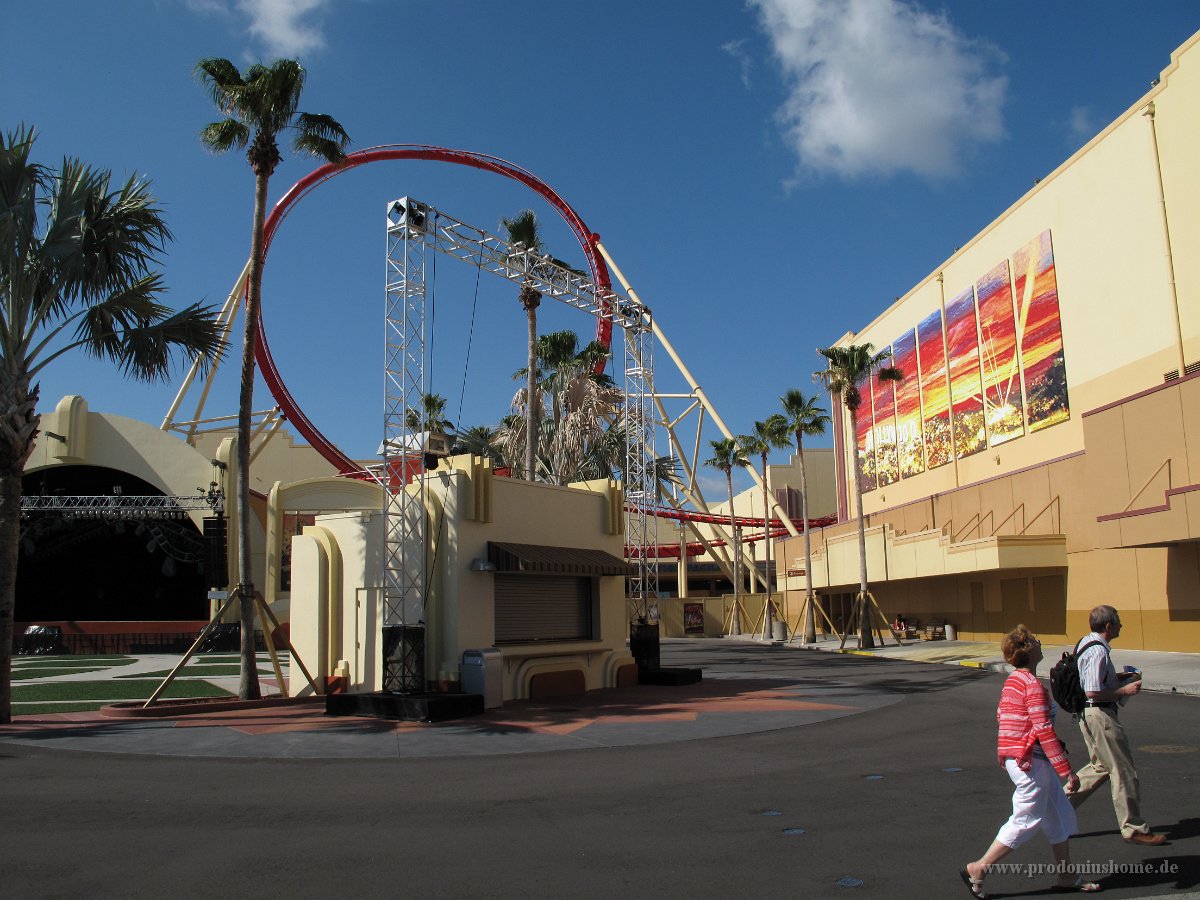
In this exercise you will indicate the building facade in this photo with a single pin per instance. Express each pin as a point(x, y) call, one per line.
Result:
point(1042, 453)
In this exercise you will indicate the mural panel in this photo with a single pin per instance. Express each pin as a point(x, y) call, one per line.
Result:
point(883, 398)
point(865, 442)
point(966, 393)
point(1039, 334)
point(935, 393)
point(910, 448)
point(1003, 405)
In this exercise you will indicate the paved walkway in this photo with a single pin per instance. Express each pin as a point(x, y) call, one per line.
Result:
point(1163, 672)
point(730, 701)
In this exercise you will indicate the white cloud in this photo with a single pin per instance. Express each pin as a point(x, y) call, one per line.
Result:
point(877, 87)
point(737, 49)
point(1081, 124)
point(285, 27)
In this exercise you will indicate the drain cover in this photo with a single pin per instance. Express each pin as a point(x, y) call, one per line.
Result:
point(1168, 748)
point(873, 777)
point(952, 769)
point(772, 812)
point(793, 831)
point(847, 881)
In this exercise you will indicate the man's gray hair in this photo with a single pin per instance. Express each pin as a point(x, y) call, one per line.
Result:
point(1101, 617)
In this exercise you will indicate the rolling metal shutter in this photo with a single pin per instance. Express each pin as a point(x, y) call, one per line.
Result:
point(543, 608)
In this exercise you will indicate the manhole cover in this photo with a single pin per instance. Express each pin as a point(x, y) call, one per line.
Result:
point(952, 769)
point(873, 778)
point(772, 812)
point(1168, 748)
point(847, 881)
point(793, 831)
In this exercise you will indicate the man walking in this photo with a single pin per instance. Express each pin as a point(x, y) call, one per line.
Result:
point(1108, 749)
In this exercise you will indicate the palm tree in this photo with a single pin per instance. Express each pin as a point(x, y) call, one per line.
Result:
point(847, 368)
point(479, 440)
point(727, 456)
point(806, 418)
point(258, 107)
point(523, 235)
point(76, 258)
point(767, 435)
point(430, 417)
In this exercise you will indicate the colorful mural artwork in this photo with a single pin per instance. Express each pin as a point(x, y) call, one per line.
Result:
point(935, 391)
point(991, 370)
point(883, 399)
point(1039, 333)
point(1003, 406)
point(865, 441)
point(910, 448)
point(966, 394)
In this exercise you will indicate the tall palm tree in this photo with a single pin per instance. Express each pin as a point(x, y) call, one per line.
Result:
point(524, 236)
point(430, 417)
point(847, 368)
point(258, 107)
point(806, 418)
point(769, 434)
point(727, 456)
point(76, 273)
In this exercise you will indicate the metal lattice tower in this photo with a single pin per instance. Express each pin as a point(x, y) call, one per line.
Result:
point(641, 463)
point(405, 369)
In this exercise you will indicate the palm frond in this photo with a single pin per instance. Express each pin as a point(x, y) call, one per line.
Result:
point(222, 79)
point(225, 135)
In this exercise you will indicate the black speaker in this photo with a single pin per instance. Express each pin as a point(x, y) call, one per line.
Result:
point(216, 552)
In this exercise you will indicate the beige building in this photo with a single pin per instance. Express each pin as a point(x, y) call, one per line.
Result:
point(1042, 454)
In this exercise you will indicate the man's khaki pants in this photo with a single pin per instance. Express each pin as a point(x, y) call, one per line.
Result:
point(1110, 760)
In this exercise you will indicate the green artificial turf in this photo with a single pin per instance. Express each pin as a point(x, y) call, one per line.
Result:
point(194, 671)
point(40, 709)
point(70, 662)
point(24, 672)
point(109, 690)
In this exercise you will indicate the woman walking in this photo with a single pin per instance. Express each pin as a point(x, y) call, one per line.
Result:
point(1034, 757)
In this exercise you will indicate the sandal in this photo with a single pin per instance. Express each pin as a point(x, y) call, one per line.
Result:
point(1079, 886)
point(973, 885)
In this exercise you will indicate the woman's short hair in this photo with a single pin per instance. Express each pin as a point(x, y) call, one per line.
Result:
point(1017, 646)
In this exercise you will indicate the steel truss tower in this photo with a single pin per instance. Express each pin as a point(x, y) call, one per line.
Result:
point(415, 230)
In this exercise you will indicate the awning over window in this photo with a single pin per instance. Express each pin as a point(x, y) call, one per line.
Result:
point(541, 559)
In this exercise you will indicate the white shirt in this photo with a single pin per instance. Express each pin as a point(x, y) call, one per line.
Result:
point(1096, 671)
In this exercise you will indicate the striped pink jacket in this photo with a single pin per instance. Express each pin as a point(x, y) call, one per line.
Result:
point(1024, 719)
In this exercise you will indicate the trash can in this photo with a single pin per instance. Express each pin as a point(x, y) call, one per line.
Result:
point(481, 675)
point(779, 630)
point(951, 632)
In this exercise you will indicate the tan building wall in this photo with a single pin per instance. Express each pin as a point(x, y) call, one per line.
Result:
point(337, 570)
point(1105, 506)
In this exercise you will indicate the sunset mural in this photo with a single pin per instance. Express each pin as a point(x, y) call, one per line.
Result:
point(865, 442)
point(883, 398)
point(1002, 399)
point(1012, 380)
point(966, 396)
point(910, 448)
point(935, 390)
point(1039, 333)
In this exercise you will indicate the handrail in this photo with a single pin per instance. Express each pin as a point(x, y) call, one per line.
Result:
point(971, 523)
point(1053, 502)
point(1165, 463)
point(1019, 507)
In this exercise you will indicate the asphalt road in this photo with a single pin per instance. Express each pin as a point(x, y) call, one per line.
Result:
point(886, 803)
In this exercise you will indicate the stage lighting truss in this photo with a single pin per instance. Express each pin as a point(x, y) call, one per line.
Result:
point(415, 230)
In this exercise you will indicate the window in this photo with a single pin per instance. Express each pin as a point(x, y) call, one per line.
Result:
point(544, 608)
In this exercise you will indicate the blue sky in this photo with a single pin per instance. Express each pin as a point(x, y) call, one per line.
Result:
point(769, 175)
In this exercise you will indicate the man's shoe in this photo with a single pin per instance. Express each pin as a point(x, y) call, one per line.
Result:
point(1147, 838)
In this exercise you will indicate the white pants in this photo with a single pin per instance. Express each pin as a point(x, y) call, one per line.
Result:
point(1038, 802)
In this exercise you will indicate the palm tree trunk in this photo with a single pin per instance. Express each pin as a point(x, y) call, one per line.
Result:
point(736, 621)
point(769, 610)
point(531, 408)
point(10, 537)
point(248, 688)
point(865, 640)
point(810, 616)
